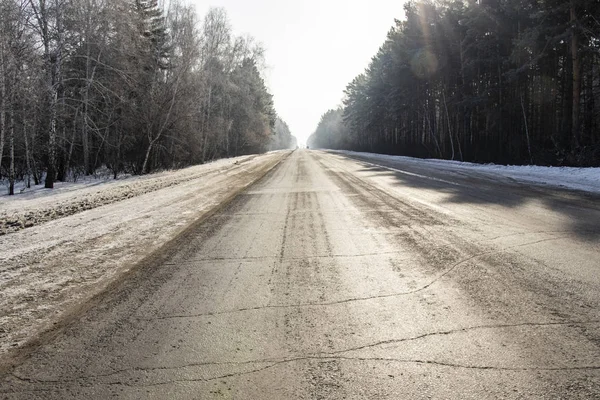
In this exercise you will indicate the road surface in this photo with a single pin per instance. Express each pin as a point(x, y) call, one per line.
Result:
point(332, 278)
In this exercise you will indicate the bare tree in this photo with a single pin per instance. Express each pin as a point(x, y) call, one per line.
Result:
point(133, 85)
point(49, 26)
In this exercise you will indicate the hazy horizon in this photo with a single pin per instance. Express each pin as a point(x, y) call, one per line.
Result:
point(311, 55)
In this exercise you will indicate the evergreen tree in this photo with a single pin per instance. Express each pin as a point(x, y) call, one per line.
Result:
point(506, 81)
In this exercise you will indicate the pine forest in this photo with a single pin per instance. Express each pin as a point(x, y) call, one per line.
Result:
point(501, 81)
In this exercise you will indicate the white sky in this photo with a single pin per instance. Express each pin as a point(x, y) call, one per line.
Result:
point(313, 48)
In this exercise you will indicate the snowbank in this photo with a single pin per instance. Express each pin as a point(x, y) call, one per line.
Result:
point(84, 236)
point(30, 207)
point(585, 179)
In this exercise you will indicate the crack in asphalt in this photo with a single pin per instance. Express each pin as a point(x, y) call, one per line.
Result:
point(328, 303)
point(467, 329)
point(361, 359)
point(330, 356)
point(354, 299)
point(276, 362)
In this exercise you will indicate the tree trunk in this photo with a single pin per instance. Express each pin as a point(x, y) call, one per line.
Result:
point(27, 155)
point(84, 139)
point(52, 66)
point(205, 141)
point(62, 169)
point(576, 59)
point(2, 103)
point(435, 141)
point(89, 78)
point(118, 163)
point(51, 170)
point(449, 126)
point(526, 130)
point(11, 172)
point(34, 169)
point(84, 127)
point(72, 144)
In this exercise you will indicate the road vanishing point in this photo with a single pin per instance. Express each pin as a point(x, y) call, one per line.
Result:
point(337, 278)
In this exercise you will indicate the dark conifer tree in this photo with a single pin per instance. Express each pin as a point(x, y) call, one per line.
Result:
point(505, 81)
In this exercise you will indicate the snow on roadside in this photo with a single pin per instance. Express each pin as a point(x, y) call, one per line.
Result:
point(585, 179)
point(50, 267)
point(38, 205)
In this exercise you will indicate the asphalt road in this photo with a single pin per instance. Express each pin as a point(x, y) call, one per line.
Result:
point(336, 279)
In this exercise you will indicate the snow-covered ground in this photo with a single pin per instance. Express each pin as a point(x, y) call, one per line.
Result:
point(29, 207)
point(585, 179)
point(61, 247)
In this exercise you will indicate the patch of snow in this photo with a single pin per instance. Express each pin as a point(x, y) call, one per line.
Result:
point(584, 179)
point(39, 205)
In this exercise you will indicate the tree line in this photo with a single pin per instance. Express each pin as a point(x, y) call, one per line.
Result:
point(504, 81)
point(128, 85)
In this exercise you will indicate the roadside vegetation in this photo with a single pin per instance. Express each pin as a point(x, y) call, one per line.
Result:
point(511, 81)
point(127, 85)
